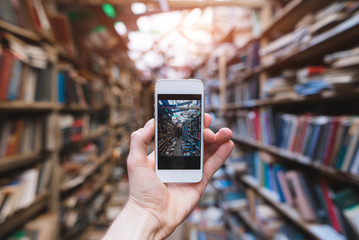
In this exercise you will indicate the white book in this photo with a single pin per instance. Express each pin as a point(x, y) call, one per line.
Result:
point(28, 194)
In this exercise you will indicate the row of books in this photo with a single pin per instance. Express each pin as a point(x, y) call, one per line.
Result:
point(309, 30)
point(310, 80)
point(76, 165)
point(245, 91)
point(75, 127)
point(20, 190)
point(74, 89)
point(29, 14)
point(85, 203)
point(325, 140)
point(35, 16)
point(268, 223)
point(313, 197)
point(23, 135)
point(25, 71)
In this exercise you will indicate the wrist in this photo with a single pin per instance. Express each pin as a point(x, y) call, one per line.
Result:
point(134, 223)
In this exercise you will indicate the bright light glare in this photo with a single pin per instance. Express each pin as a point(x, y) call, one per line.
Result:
point(193, 17)
point(120, 28)
point(138, 8)
point(140, 41)
point(162, 22)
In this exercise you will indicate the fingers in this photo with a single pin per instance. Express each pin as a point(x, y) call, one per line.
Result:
point(217, 159)
point(207, 120)
point(222, 136)
point(208, 136)
point(139, 141)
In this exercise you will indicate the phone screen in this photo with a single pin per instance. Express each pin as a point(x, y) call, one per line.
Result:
point(179, 131)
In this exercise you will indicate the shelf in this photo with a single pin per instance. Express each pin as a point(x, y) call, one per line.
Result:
point(303, 160)
point(290, 15)
point(244, 216)
point(24, 215)
point(25, 106)
point(75, 182)
point(80, 108)
point(327, 42)
point(19, 161)
point(83, 140)
point(329, 96)
point(245, 76)
point(19, 31)
point(283, 208)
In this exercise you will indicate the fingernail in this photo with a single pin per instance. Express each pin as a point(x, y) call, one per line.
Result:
point(148, 124)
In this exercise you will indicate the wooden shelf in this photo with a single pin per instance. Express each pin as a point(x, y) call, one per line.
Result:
point(327, 42)
point(303, 160)
point(245, 218)
point(245, 76)
point(21, 32)
point(24, 215)
point(25, 106)
point(325, 97)
point(80, 108)
point(283, 208)
point(19, 161)
point(84, 140)
point(291, 14)
point(75, 182)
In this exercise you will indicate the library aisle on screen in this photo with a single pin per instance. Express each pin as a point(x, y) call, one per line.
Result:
point(77, 78)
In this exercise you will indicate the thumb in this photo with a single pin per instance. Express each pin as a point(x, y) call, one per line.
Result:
point(139, 141)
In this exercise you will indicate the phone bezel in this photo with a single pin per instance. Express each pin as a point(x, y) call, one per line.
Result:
point(179, 86)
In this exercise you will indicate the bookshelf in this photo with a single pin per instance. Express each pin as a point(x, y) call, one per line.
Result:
point(43, 107)
point(280, 62)
point(23, 216)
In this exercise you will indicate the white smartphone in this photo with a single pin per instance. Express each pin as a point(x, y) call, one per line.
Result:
point(179, 129)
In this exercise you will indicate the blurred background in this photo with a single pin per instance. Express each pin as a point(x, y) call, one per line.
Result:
point(77, 77)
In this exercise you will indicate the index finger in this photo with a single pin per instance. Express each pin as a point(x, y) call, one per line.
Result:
point(207, 120)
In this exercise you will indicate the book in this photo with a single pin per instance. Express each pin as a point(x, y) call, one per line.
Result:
point(299, 196)
point(348, 202)
point(7, 61)
point(330, 206)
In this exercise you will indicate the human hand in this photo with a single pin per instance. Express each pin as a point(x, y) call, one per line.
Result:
point(161, 207)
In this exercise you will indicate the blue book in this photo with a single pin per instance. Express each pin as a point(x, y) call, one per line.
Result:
point(276, 169)
point(61, 87)
point(14, 86)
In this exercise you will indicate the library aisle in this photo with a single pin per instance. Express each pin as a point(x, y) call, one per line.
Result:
point(77, 78)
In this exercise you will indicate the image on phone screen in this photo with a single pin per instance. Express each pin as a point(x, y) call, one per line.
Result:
point(179, 131)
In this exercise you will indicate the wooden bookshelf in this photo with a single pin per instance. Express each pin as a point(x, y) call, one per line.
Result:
point(25, 106)
point(287, 211)
point(80, 108)
point(243, 215)
point(11, 163)
point(21, 32)
point(327, 42)
point(22, 216)
point(245, 76)
point(92, 136)
point(332, 173)
point(293, 12)
point(67, 186)
point(324, 98)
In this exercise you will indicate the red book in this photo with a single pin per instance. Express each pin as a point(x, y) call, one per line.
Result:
point(298, 132)
point(301, 136)
point(311, 70)
point(257, 125)
point(330, 145)
point(330, 206)
point(5, 73)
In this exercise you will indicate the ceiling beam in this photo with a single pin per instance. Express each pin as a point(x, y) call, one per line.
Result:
point(175, 3)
